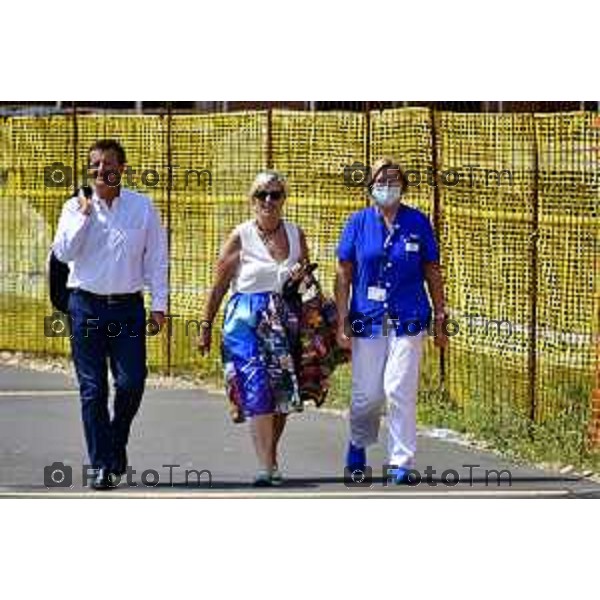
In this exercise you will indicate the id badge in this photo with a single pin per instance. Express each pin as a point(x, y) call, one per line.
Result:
point(412, 246)
point(375, 293)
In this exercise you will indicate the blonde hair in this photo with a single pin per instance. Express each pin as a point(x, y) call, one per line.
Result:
point(387, 162)
point(263, 179)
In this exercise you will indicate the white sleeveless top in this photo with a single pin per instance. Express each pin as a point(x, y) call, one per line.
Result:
point(258, 271)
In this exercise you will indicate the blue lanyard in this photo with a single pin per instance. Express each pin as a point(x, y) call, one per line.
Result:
point(387, 245)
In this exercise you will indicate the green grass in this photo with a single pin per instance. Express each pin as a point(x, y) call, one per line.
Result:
point(559, 437)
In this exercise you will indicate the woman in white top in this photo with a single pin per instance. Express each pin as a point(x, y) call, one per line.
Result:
point(257, 259)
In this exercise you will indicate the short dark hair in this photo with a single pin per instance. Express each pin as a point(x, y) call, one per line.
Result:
point(110, 145)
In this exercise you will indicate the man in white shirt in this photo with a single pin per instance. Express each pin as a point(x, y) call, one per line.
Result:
point(114, 244)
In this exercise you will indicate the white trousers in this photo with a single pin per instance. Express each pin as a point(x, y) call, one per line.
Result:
point(386, 368)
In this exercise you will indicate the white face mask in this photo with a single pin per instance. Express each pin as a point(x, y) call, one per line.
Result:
point(385, 195)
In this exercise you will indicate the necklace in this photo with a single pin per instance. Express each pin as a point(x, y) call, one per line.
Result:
point(267, 235)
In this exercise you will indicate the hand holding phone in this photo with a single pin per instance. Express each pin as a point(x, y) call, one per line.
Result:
point(85, 200)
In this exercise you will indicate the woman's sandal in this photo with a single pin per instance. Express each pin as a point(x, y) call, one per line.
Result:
point(263, 478)
point(276, 477)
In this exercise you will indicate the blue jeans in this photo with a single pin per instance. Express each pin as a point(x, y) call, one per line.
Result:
point(108, 333)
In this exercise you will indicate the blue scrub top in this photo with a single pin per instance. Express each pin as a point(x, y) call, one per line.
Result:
point(390, 260)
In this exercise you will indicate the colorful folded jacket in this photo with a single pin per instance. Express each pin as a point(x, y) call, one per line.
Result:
point(316, 353)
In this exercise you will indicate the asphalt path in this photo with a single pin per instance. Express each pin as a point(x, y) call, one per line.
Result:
point(184, 445)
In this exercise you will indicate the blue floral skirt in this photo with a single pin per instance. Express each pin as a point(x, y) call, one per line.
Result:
point(259, 337)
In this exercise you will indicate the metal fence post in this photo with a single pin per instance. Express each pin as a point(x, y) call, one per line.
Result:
point(594, 426)
point(594, 422)
point(269, 140)
point(169, 236)
point(75, 148)
point(437, 213)
point(533, 291)
point(367, 113)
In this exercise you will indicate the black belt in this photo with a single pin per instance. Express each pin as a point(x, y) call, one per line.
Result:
point(111, 297)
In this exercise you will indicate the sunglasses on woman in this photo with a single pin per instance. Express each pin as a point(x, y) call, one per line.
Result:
point(262, 195)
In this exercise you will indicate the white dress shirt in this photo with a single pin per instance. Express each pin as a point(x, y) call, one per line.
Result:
point(116, 250)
